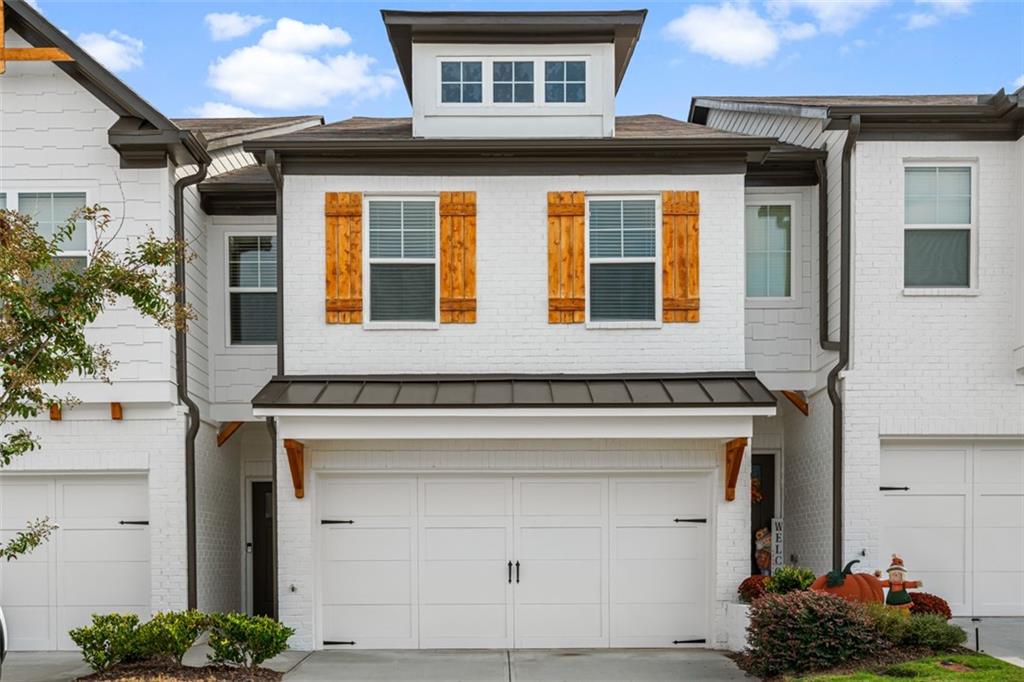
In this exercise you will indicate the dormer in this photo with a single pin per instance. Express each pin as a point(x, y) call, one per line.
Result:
point(513, 74)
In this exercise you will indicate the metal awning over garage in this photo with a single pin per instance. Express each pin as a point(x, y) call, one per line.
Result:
point(734, 390)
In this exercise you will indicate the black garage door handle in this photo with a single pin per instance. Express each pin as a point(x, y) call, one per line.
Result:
point(133, 523)
point(517, 572)
point(893, 487)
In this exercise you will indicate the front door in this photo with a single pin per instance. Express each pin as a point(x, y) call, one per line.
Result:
point(262, 539)
point(762, 509)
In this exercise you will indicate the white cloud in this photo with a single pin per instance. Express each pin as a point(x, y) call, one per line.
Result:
point(279, 73)
point(220, 110)
point(228, 25)
point(831, 16)
point(935, 11)
point(730, 33)
point(858, 44)
point(290, 35)
point(115, 50)
point(1019, 83)
point(799, 31)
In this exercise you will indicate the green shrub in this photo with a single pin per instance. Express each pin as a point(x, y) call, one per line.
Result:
point(932, 631)
point(803, 630)
point(892, 624)
point(789, 579)
point(170, 635)
point(246, 640)
point(111, 639)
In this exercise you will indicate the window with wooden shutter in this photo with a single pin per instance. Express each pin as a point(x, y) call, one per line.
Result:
point(458, 257)
point(566, 258)
point(680, 256)
point(343, 216)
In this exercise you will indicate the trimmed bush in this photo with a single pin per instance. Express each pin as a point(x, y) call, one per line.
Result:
point(925, 603)
point(932, 631)
point(111, 639)
point(788, 579)
point(892, 624)
point(170, 635)
point(246, 641)
point(801, 631)
point(752, 588)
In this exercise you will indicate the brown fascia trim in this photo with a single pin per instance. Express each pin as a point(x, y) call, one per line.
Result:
point(621, 27)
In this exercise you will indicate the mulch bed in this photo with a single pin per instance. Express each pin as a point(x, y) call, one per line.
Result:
point(163, 672)
point(877, 664)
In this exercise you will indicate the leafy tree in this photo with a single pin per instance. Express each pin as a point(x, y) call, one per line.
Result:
point(47, 301)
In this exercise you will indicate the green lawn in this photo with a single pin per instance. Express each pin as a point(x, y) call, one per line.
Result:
point(980, 667)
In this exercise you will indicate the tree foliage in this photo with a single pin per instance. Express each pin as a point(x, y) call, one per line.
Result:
point(46, 303)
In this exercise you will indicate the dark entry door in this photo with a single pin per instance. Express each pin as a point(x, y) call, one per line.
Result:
point(762, 509)
point(262, 537)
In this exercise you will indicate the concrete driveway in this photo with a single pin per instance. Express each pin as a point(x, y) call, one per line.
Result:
point(597, 665)
point(999, 637)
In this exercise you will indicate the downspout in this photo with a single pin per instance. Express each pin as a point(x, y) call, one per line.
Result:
point(845, 260)
point(181, 361)
point(821, 167)
point(274, 168)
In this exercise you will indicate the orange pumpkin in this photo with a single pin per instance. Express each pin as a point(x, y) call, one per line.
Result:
point(862, 587)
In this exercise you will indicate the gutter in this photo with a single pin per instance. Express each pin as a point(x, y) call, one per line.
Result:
point(821, 168)
point(181, 361)
point(844, 343)
point(274, 168)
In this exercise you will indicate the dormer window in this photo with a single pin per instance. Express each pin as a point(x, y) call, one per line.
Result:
point(513, 82)
point(565, 81)
point(462, 82)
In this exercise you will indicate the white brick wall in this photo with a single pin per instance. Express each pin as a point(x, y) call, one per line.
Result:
point(512, 333)
point(296, 517)
point(927, 365)
point(218, 530)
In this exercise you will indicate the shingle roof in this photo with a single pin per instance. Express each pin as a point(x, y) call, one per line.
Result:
point(246, 175)
point(740, 389)
point(219, 128)
point(858, 100)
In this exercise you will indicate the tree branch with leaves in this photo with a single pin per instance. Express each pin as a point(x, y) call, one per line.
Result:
point(46, 303)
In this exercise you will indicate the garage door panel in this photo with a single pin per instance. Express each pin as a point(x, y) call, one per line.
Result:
point(24, 501)
point(111, 545)
point(466, 624)
point(657, 581)
point(926, 465)
point(659, 497)
point(561, 498)
point(998, 465)
point(674, 542)
point(995, 549)
point(25, 584)
point(569, 621)
point(561, 582)
point(470, 497)
point(463, 582)
point(926, 548)
point(560, 543)
point(367, 582)
point(464, 543)
point(926, 511)
point(367, 543)
point(86, 500)
point(102, 584)
point(998, 593)
point(30, 627)
point(356, 498)
point(656, 625)
point(999, 510)
point(361, 622)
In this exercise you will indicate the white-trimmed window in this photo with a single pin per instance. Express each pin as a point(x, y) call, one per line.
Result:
point(939, 222)
point(252, 289)
point(51, 211)
point(462, 82)
point(770, 247)
point(512, 81)
point(622, 259)
point(402, 260)
point(565, 81)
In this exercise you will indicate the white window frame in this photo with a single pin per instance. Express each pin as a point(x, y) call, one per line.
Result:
point(368, 322)
point(539, 82)
point(656, 323)
point(796, 228)
point(228, 289)
point(13, 198)
point(972, 257)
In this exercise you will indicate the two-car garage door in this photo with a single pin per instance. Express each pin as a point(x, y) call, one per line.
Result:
point(502, 561)
point(955, 513)
point(96, 562)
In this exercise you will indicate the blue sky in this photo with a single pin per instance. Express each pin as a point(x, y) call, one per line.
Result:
point(333, 58)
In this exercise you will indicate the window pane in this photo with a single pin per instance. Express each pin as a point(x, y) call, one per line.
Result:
point(402, 292)
point(472, 93)
point(554, 71)
point(554, 92)
point(472, 72)
point(252, 261)
point(920, 181)
point(954, 181)
point(451, 92)
point(51, 211)
point(936, 258)
point(451, 72)
point(622, 291)
point(575, 71)
point(502, 71)
point(268, 262)
point(757, 274)
point(778, 228)
point(254, 318)
point(638, 243)
point(502, 92)
point(757, 237)
point(920, 210)
point(385, 229)
point(769, 258)
point(524, 92)
point(3, 200)
point(953, 210)
point(638, 214)
point(605, 244)
point(575, 92)
point(937, 196)
point(524, 71)
point(418, 227)
point(778, 274)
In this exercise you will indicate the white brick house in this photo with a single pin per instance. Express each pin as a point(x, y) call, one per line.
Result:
point(445, 400)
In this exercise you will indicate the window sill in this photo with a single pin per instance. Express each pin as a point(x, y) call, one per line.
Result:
point(625, 324)
point(942, 291)
point(393, 326)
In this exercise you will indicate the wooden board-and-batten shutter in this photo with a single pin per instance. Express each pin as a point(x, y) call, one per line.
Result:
point(343, 216)
point(458, 257)
point(680, 216)
point(566, 258)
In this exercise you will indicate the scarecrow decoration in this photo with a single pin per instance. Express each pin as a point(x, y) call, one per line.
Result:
point(898, 597)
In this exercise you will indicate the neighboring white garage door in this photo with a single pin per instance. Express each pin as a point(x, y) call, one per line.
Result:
point(92, 564)
point(501, 561)
point(960, 525)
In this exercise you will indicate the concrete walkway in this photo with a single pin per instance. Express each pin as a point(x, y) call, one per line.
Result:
point(999, 637)
point(596, 665)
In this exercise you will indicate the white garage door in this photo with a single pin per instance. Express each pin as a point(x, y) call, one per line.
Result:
point(92, 564)
point(495, 562)
point(959, 525)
